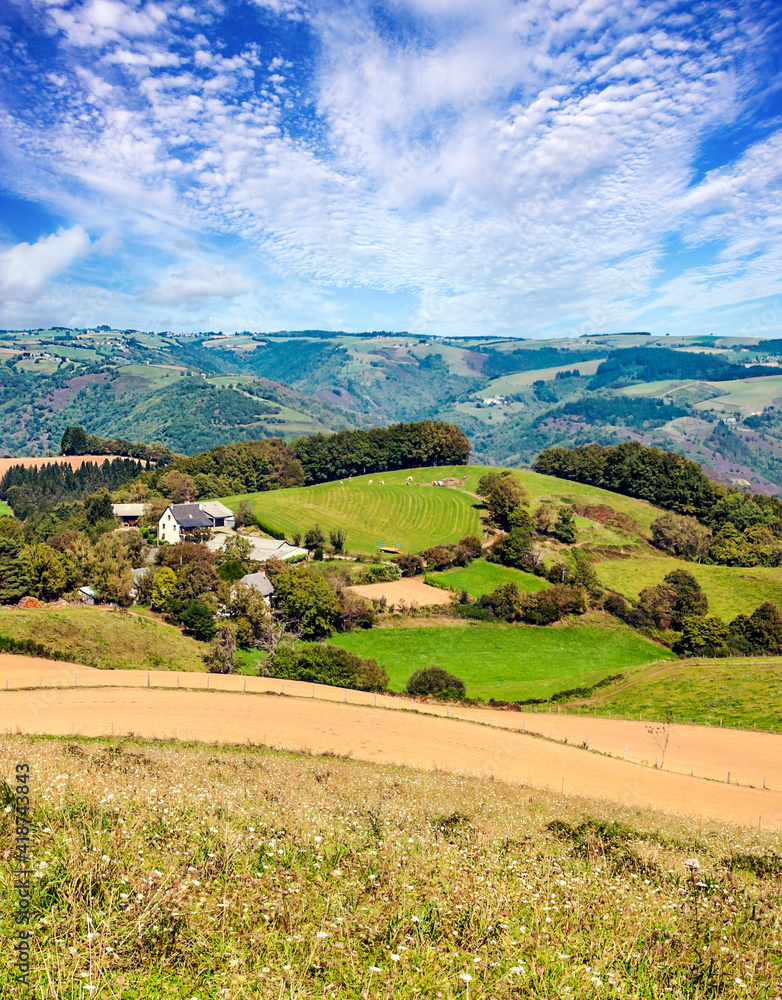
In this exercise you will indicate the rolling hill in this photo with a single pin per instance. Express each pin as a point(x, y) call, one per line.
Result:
point(512, 397)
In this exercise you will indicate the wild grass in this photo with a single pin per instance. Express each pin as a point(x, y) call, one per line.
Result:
point(731, 590)
point(482, 577)
point(746, 693)
point(506, 662)
point(98, 637)
point(163, 870)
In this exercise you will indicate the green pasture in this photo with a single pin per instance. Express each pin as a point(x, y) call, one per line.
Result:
point(482, 577)
point(5, 510)
point(506, 662)
point(747, 395)
point(507, 384)
point(411, 517)
point(731, 590)
point(414, 517)
point(742, 692)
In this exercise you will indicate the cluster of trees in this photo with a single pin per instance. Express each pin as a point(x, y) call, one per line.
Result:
point(746, 527)
point(542, 608)
point(627, 411)
point(759, 634)
point(653, 364)
point(28, 489)
point(320, 663)
point(401, 446)
point(678, 604)
point(68, 560)
point(76, 441)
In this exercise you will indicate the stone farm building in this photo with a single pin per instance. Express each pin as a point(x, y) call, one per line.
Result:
point(181, 518)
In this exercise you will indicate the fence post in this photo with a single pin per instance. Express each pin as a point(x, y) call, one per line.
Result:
point(147, 678)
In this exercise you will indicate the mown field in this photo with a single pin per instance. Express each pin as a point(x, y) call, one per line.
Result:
point(731, 590)
point(482, 577)
point(109, 639)
point(276, 875)
point(744, 692)
point(507, 663)
point(414, 517)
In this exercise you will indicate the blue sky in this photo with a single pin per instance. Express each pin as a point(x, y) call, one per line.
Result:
point(449, 167)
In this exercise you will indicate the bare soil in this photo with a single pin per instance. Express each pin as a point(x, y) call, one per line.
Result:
point(410, 593)
point(317, 719)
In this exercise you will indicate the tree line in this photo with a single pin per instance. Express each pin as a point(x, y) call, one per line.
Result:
point(33, 488)
point(76, 441)
point(654, 364)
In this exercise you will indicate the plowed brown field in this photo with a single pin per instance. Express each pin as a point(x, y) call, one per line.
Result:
point(314, 720)
point(410, 592)
point(73, 460)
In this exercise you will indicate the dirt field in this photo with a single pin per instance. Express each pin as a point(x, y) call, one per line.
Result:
point(412, 592)
point(73, 460)
point(317, 719)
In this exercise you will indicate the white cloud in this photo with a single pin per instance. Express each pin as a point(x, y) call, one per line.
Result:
point(99, 21)
point(27, 268)
point(198, 283)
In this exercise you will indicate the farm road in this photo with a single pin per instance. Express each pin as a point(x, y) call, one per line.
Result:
point(420, 739)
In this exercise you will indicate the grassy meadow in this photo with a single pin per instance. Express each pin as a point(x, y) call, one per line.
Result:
point(415, 517)
point(731, 590)
point(281, 876)
point(5, 510)
point(98, 637)
point(482, 577)
point(506, 662)
point(743, 692)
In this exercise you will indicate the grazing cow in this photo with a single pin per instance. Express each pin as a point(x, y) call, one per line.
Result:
point(409, 480)
point(350, 479)
point(382, 482)
point(341, 483)
point(369, 483)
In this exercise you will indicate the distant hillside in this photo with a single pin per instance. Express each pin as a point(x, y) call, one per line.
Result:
point(715, 400)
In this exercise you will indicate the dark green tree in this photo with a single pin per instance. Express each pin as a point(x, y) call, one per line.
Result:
point(314, 539)
point(99, 507)
point(14, 581)
point(503, 494)
point(198, 619)
point(307, 600)
point(565, 526)
point(74, 441)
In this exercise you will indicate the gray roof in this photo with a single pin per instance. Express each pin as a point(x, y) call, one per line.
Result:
point(128, 509)
point(215, 508)
point(190, 515)
point(260, 582)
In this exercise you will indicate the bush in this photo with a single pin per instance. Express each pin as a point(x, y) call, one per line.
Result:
point(379, 573)
point(231, 571)
point(616, 605)
point(319, 663)
point(409, 565)
point(435, 682)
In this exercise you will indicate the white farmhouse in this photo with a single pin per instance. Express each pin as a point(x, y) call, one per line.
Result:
point(179, 519)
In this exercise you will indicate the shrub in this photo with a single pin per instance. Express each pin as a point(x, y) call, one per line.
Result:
point(435, 682)
point(319, 663)
point(231, 571)
point(616, 605)
point(379, 573)
point(409, 565)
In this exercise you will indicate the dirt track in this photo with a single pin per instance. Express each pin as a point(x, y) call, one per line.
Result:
point(421, 739)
